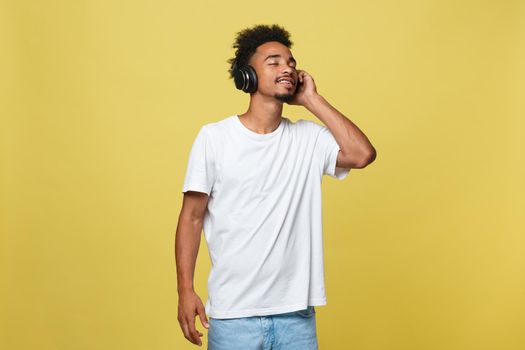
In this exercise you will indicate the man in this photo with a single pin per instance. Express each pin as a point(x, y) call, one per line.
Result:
point(253, 181)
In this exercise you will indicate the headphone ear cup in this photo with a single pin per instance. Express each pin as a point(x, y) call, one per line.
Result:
point(245, 78)
point(252, 79)
point(238, 77)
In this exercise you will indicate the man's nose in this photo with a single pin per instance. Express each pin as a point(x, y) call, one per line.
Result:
point(289, 70)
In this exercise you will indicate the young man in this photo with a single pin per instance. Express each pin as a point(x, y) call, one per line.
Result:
point(253, 182)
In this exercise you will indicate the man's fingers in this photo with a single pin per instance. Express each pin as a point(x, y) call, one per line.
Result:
point(202, 316)
point(188, 333)
point(193, 331)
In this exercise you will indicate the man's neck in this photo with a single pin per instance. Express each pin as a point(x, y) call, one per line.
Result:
point(262, 116)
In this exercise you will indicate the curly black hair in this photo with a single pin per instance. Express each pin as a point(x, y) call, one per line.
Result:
point(249, 39)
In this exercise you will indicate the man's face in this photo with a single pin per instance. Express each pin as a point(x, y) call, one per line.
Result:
point(274, 61)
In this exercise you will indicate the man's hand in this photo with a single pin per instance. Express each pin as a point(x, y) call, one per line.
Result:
point(190, 305)
point(305, 89)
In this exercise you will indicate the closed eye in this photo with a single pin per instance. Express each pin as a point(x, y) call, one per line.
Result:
point(276, 64)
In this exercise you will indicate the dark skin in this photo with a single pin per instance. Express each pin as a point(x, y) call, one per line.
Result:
point(273, 61)
point(187, 243)
point(263, 116)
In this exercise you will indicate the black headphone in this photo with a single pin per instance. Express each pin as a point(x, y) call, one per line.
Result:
point(245, 77)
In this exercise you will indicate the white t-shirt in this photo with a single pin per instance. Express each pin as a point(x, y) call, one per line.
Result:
point(263, 224)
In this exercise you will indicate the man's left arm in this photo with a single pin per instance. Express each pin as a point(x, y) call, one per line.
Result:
point(356, 151)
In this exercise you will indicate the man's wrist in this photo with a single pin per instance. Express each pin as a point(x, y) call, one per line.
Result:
point(313, 100)
point(185, 288)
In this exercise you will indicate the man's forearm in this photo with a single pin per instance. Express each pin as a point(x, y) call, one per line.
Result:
point(351, 140)
point(187, 241)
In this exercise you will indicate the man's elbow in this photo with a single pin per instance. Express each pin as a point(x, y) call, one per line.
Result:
point(369, 158)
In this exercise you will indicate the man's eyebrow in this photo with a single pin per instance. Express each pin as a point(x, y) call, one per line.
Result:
point(277, 55)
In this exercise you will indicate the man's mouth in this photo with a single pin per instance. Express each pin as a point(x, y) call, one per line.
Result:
point(285, 81)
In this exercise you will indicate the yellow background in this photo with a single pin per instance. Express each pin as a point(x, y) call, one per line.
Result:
point(101, 101)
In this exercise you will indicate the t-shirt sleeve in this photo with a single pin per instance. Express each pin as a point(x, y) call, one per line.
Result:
point(200, 170)
point(327, 149)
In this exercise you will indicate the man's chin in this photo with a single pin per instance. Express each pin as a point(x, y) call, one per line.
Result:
point(286, 98)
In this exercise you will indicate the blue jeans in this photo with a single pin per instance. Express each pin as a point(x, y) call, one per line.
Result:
point(294, 330)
